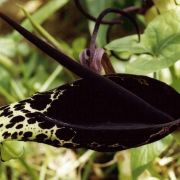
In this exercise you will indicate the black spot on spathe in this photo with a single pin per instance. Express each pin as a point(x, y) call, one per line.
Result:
point(17, 119)
point(68, 145)
point(10, 125)
point(3, 107)
point(25, 111)
point(33, 114)
point(27, 135)
point(20, 133)
point(41, 137)
point(43, 124)
point(46, 125)
point(65, 134)
point(14, 135)
point(43, 100)
point(14, 121)
point(19, 126)
point(55, 143)
point(19, 106)
point(6, 112)
point(6, 135)
point(31, 121)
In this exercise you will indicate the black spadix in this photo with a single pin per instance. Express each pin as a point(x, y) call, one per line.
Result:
point(104, 113)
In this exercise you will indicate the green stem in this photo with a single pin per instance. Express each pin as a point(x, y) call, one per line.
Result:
point(2, 172)
point(41, 15)
point(41, 30)
point(51, 79)
point(124, 165)
point(17, 90)
point(49, 38)
point(88, 168)
point(7, 95)
point(43, 171)
point(21, 160)
point(7, 63)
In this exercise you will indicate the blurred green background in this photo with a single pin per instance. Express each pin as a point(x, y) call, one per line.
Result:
point(25, 70)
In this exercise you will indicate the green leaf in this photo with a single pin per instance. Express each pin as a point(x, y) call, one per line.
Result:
point(176, 84)
point(145, 64)
point(161, 41)
point(128, 44)
point(151, 14)
point(162, 31)
point(11, 150)
point(164, 5)
point(176, 135)
point(142, 157)
point(162, 38)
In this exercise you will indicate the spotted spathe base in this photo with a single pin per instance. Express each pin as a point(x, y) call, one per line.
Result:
point(76, 115)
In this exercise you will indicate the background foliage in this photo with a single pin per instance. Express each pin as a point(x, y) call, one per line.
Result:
point(25, 70)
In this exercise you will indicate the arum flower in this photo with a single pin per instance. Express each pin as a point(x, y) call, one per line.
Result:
point(104, 113)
